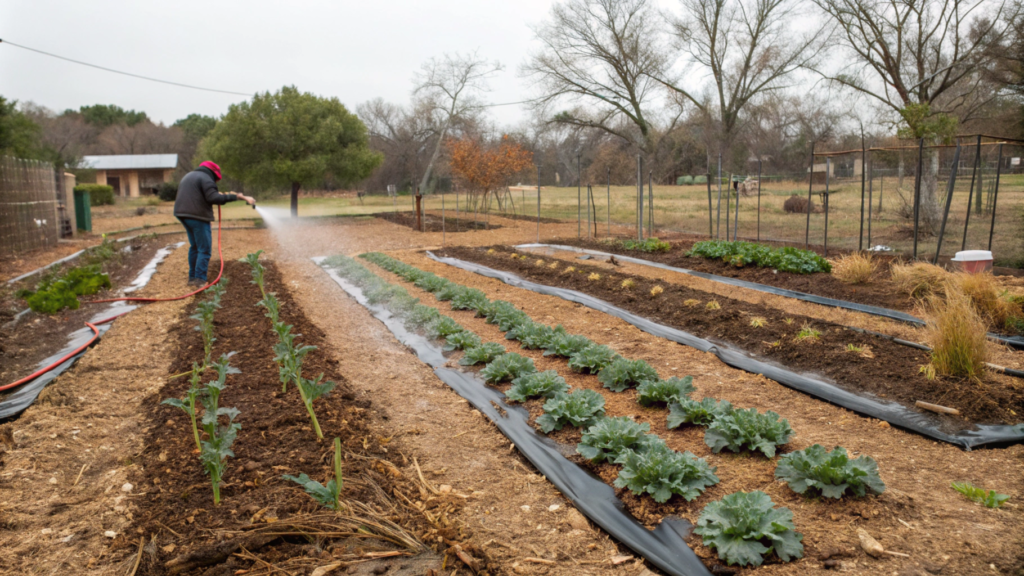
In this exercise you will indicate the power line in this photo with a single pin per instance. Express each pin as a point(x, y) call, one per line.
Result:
point(122, 73)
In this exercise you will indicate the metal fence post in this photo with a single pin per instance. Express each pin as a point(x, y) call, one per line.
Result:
point(711, 212)
point(609, 215)
point(810, 189)
point(579, 183)
point(871, 182)
point(639, 198)
point(995, 196)
point(917, 193)
point(828, 174)
point(538, 204)
point(736, 221)
point(650, 203)
point(443, 231)
point(970, 195)
point(728, 206)
point(863, 169)
point(718, 210)
point(949, 200)
point(759, 200)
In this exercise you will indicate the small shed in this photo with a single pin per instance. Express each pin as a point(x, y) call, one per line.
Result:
point(130, 174)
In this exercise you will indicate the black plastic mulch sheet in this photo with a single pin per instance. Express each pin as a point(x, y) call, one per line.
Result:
point(15, 402)
point(1014, 341)
point(896, 414)
point(664, 546)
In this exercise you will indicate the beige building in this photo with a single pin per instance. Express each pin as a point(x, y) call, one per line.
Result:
point(132, 174)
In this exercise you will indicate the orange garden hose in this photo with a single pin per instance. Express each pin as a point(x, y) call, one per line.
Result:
point(96, 331)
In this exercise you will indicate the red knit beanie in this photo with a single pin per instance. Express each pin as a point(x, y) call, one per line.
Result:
point(213, 167)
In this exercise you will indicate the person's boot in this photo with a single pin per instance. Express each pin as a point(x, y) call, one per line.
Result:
point(197, 282)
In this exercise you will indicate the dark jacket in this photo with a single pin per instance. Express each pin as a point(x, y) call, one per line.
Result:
point(197, 193)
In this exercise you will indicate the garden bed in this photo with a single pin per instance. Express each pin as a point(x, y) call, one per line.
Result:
point(432, 222)
point(875, 367)
point(35, 337)
point(174, 494)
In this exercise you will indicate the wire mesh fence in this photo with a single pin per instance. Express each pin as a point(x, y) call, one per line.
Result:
point(28, 205)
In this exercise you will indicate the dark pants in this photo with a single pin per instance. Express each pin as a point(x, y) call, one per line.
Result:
point(200, 242)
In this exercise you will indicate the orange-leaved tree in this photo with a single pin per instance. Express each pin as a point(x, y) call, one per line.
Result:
point(483, 168)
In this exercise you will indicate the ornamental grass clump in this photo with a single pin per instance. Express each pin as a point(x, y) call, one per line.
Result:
point(919, 279)
point(592, 359)
point(988, 297)
point(957, 335)
point(661, 472)
point(739, 429)
point(328, 496)
point(622, 374)
point(481, 353)
point(854, 268)
point(744, 527)
point(673, 390)
point(544, 384)
point(609, 438)
point(579, 408)
point(832, 474)
point(507, 367)
point(701, 413)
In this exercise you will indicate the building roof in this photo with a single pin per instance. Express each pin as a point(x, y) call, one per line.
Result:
point(131, 162)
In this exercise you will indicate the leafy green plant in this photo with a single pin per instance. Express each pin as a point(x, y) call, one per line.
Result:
point(592, 359)
point(621, 374)
point(989, 498)
point(701, 413)
point(661, 472)
point(288, 356)
point(468, 299)
point(55, 294)
point(807, 332)
point(272, 305)
point(431, 283)
point(608, 438)
point(310, 390)
point(651, 244)
point(565, 344)
point(672, 390)
point(204, 315)
point(421, 316)
point(831, 473)
point(328, 496)
point(505, 315)
point(464, 340)
point(481, 353)
point(448, 291)
point(740, 254)
point(545, 384)
point(443, 326)
point(187, 403)
point(748, 428)
point(745, 526)
point(507, 367)
point(216, 448)
point(580, 408)
point(253, 260)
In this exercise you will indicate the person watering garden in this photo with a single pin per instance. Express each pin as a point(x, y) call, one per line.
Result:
point(193, 207)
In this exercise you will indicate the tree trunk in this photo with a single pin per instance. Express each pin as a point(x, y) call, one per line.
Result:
point(931, 209)
point(295, 199)
point(433, 157)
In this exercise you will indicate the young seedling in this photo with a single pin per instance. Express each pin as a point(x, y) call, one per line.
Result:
point(188, 403)
point(257, 269)
point(691, 303)
point(713, 305)
point(758, 322)
point(328, 496)
point(594, 276)
point(288, 357)
point(216, 449)
point(628, 283)
point(989, 498)
point(310, 390)
point(854, 348)
point(808, 333)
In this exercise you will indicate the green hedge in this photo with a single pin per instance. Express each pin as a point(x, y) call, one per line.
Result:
point(701, 179)
point(684, 180)
point(99, 194)
point(167, 191)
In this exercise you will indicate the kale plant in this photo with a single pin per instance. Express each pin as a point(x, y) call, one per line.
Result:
point(421, 316)
point(565, 344)
point(592, 359)
point(831, 473)
point(545, 384)
point(580, 408)
point(610, 437)
point(744, 526)
point(507, 367)
point(532, 335)
point(662, 472)
point(328, 496)
point(482, 353)
point(622, 374)
point(748, 428)
point(669, 391)
point(461, 341)
point(701, 413)
point(651, 244)
point(443, 326)
point(469, 299)
point(431, 283)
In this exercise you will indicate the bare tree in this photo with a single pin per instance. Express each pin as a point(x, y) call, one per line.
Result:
point(67, 136)
point(602, 56)
point(450, 86)
point(923, 60)
point(745, 47)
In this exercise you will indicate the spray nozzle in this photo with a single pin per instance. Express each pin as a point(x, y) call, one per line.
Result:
point(253, 205)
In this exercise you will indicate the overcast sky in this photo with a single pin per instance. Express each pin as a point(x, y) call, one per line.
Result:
point(354, 50)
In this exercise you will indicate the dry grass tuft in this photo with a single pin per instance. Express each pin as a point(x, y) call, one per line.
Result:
point(713, 305)
point(956, 333)
point(594, 276)
point(628, 283)
point(919, 279)
point(854, 268)
point(569, 269)
point(984, 291)
point(690, 302)
point(758, 322)
point(539, 262)
point(656, 290)
point(553, 265)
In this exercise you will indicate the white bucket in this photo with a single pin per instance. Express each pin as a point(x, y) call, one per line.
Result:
point(974, 261)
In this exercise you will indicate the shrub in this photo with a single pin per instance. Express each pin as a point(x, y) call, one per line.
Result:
point(622, 374)
point(565, 344)
point(481, 353)
point(748, 428)
point(167, 191)
point(580, 408)
point(744, 526)
point(544, 384)
point(649, 245)
point(592, 359)
point(796, 205)
point(956, 334)
point(609, 438)
point(99, 194)
point(700, 179)
point(662, 472)
point(672, 390)
point(507, 367)
point(830, 473)
point(854, 268)
point(701, 413)
point(919, 279)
